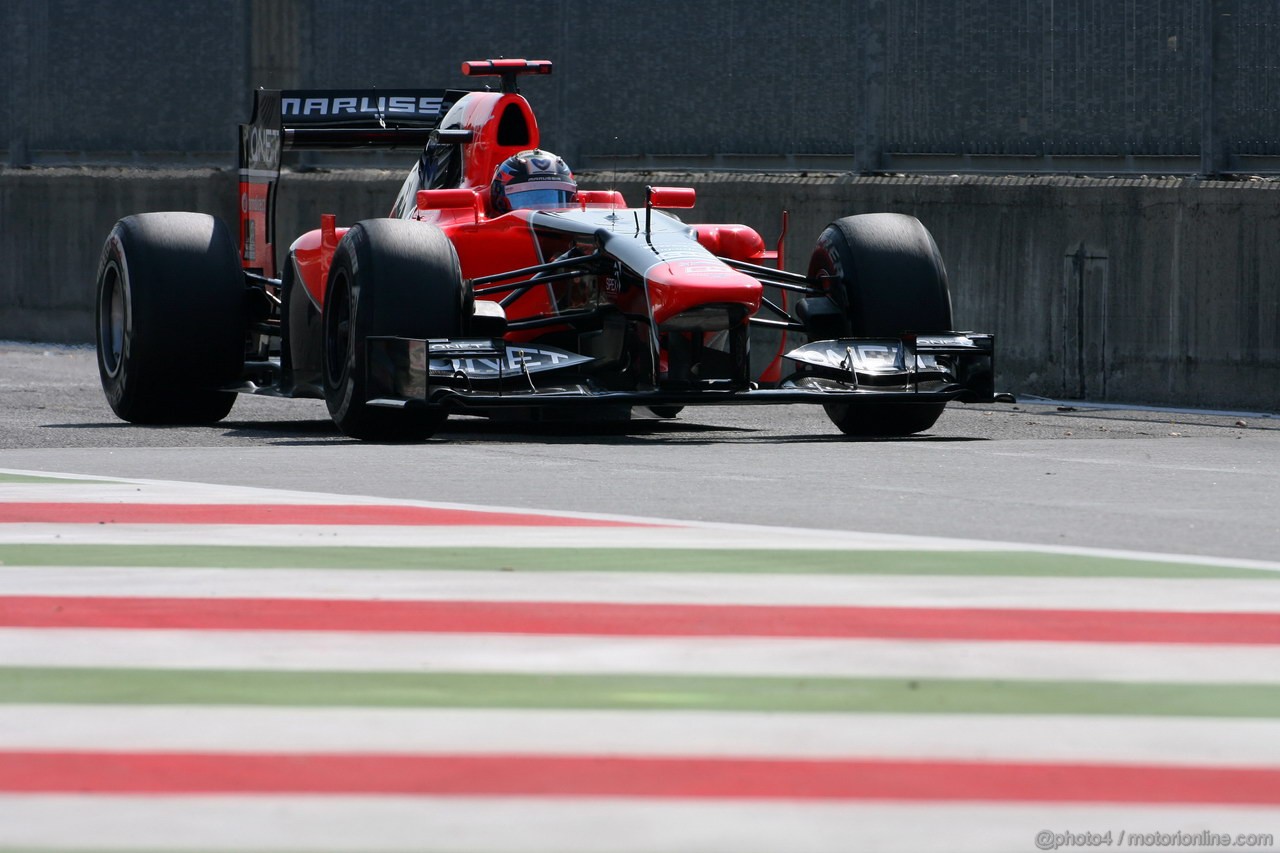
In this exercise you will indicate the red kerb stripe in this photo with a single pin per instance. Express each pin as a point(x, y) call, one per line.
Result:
point(647, 620)
point(552, 775)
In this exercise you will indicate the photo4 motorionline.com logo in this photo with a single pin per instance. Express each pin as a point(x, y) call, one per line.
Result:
point(1047, 839)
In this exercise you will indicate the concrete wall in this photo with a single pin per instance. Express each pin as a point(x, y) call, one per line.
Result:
point(1158, 291)
point(93, 81)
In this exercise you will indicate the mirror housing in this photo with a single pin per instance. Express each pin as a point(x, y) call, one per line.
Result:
point(610, 197)
point(446, 199)
point(671, 198)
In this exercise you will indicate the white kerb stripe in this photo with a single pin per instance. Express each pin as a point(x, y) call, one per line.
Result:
point(462, 536)
point(480, 731)
point(583, 825)
point(1181, 595)
point(513, 653)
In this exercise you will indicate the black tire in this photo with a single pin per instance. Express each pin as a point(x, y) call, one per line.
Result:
point(170, 318)
point(389, 278)
point(885, 272)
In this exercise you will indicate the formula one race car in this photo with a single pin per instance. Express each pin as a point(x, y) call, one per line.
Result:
point(496, 285)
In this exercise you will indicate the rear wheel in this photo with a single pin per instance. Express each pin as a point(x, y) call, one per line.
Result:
point(885, 272)
point(389, 278)
point(170, 318)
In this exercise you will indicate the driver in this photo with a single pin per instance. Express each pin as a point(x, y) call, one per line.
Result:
point(532, 179)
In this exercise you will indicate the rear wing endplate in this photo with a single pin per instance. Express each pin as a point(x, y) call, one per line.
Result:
point(321, 119)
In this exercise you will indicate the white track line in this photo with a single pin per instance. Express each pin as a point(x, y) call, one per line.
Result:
point(717, 535)
point(977, 737)
point(583, 825)
point(111, 490)
point(174, 493)
point(498, 653)
point(725, 537)
point(1087, 593)
point(478, 536)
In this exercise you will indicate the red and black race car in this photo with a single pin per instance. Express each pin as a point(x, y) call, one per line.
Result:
point(495, 284)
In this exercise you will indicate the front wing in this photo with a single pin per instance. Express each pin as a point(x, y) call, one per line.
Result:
point(480, 374)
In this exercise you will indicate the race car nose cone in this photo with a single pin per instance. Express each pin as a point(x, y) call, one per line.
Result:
point(680, 286)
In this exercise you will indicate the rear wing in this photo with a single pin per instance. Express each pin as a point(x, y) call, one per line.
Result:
point(321, 119)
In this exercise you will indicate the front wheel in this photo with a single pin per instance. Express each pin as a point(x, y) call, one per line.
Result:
point(170, 318)
point(389, 278)
point(885, 273)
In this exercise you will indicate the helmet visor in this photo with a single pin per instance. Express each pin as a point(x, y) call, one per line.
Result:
point(540, 195)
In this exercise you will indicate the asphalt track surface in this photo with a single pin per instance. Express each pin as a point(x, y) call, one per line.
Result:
point(1042, 472)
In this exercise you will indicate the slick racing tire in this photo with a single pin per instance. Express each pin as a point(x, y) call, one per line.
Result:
point(389, 278)
point(885, 272)
point(170, 318)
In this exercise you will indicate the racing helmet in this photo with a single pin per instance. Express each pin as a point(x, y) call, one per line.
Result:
point(532, 179)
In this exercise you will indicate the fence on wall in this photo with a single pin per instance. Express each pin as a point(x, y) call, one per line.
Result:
point(1092, 86)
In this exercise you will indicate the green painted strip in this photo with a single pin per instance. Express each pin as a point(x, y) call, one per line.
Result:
point(23, 685)
point(780, 561)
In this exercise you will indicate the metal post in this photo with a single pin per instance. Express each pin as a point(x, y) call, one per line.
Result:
point(275, 42)
point(869, 139)
point(1215, 61)
point(20, 26)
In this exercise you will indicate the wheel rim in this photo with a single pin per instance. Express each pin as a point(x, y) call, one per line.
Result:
point(112, 319)
point(337, 331)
